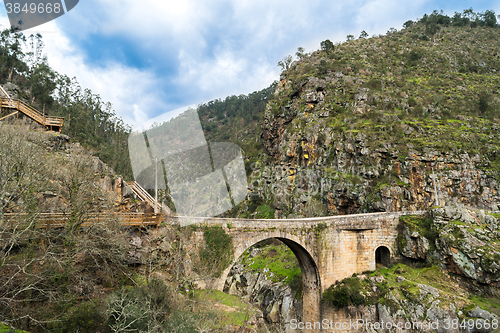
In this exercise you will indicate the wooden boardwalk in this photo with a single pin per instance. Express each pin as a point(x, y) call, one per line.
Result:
point(49, 123)
point(59, 220)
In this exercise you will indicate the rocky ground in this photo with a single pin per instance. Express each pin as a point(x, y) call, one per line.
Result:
point(268, 277)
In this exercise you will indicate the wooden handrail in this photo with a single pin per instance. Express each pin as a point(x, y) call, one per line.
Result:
point(10, 115)
point(142, 193)
point(46, 121)
point(58, 220)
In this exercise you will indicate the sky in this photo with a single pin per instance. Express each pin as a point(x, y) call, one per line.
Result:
point(150, 57)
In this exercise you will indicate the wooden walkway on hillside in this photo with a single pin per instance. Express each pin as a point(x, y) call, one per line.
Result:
point(143, 195)
point(49, 123)
point(59, 220)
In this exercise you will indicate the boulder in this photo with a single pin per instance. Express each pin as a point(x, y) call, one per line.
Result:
point(415, 246)
point(127, 191)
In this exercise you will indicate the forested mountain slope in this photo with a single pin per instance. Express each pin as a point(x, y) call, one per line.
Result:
point(385, 123)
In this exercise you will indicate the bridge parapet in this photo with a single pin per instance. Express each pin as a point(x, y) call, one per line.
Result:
point(365, 221)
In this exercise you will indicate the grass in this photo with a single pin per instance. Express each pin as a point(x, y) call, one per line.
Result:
point(491, 304)
point(230, 309)
point(7, 329)
point(281, 264)
point(436, 277)
point(433, 276)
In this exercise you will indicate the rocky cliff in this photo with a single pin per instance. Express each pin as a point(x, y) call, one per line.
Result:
point(462, 241)
point(268, 277)
point(391, 123)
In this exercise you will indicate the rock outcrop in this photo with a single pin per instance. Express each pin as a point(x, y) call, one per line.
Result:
point(343, 135)
point(463, 241)
point(273, 296)
point(350, 172)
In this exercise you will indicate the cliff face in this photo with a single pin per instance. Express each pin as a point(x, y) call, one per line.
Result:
point(268, 277)
point(462, 241)
point(384, 124)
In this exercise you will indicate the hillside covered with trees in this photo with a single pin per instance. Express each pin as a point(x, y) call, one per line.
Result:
point(88, 119)
point(376, 124)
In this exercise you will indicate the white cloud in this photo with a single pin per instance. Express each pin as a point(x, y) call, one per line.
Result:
point(201, 50)
point(131, 91)
point(377, 16)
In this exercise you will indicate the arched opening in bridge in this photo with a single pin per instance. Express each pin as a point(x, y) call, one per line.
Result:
point(383, 256)
point(276, 274)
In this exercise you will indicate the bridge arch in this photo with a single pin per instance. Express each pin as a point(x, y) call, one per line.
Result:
point(383, 255)
point(311, 280)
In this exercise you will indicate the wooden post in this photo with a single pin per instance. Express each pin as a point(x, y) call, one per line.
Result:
point(156, 185)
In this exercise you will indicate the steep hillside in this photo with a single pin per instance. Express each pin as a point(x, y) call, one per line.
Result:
point(25, 73)
point(385, 123)
point(236, 119)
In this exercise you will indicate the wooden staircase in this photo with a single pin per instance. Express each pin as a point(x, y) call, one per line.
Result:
point(144, 195)
point(49, 123)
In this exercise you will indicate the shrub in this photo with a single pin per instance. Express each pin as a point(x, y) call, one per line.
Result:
point(86, 317)
point(412, 102)
point(218, 250)
point(346, 293)
point(374, 84)
point(141, 308)
point(264, 212)
point(189, 322)
point(414, 56)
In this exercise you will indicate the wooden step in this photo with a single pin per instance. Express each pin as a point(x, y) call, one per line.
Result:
point(49, 123)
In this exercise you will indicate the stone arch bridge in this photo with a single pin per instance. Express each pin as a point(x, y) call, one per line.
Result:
point(328, 249)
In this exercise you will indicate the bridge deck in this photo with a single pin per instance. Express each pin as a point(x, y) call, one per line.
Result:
point(345, 222)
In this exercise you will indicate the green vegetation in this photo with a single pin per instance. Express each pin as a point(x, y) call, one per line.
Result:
point(488, 303)
point(423, 225)
point(218, 250)
point(278, 260)
point(360, 289)
point(264, 212)
point(235, 312)
point(6, 329)
point(236, 119)
point(345, 293)
point(433, 276)
point(431, 85)
point(428, 88)
point(154, 306)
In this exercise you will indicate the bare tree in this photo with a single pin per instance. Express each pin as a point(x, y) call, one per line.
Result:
point(23, 174)
point(37, 265)
point(22, 168)
point(79, 177)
